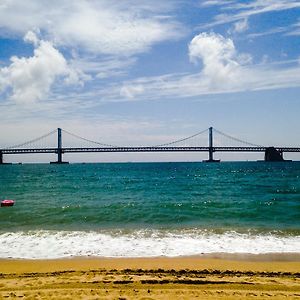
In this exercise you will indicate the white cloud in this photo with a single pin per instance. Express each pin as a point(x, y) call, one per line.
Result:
point(102, 68)
point(241, 10)
point(241, 26)
point(131, 91)
point(30, 78)
point(268, 32)
point(101, 36)
point(244, 59)
point(224, 70)
point(103, 27)
point(218, 56)
point(221, 69)
point(215, 2)
point(31, 37)
point(295, 29)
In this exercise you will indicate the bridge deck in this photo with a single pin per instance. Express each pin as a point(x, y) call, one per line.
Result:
point(147, 149)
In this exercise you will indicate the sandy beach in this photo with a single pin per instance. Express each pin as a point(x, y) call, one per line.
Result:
point(252, 277)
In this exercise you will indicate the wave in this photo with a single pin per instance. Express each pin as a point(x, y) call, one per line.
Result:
point(46, 244)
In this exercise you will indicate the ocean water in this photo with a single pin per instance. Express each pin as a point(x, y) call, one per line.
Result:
point(149, 209)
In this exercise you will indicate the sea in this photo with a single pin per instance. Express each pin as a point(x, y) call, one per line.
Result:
point(149, 209)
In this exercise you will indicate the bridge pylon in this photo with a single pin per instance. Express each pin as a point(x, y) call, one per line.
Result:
point(59, 150)
point(211, 149)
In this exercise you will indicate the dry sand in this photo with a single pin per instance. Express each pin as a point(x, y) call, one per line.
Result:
point(153, 278)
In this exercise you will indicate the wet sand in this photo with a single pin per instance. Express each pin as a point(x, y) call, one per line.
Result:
point(245, 277)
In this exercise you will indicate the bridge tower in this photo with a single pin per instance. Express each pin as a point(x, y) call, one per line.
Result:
point(59, 149)
point(59, 144)
point(211, 147)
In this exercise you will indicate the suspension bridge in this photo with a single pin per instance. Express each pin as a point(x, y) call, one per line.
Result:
point(193, 143)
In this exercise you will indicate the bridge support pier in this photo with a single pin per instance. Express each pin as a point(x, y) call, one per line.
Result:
point(211, 147)
point(59, 150)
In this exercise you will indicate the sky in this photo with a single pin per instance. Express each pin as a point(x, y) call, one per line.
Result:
point(137, 72)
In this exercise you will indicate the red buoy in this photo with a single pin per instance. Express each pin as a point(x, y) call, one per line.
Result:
point(7, 202)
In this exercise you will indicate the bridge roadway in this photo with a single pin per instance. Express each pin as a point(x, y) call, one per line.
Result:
point(147, 149)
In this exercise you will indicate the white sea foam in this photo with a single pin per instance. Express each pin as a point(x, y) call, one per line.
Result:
point(59, 244)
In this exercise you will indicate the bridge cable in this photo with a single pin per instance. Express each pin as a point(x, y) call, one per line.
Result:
point(90, 141)
point(236, 139)
point(32, 141)
point(181, 140)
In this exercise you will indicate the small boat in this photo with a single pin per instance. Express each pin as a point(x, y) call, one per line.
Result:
point(7, 202)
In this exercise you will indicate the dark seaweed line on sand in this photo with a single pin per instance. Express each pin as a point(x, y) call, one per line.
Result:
point(156, 272)
point(209, 272)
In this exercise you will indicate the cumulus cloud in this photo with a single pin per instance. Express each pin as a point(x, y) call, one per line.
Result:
point(29, 79)
point(31, 37)
point(219, 58)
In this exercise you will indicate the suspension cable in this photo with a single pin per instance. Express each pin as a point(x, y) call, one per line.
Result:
point(90, 141)
point(32, 141)
point(181, 140)
point(236, 139)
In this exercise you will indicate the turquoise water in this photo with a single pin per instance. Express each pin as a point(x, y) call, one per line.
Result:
point(195, 202)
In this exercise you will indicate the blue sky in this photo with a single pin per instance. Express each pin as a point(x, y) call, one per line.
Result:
point(147, 72)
